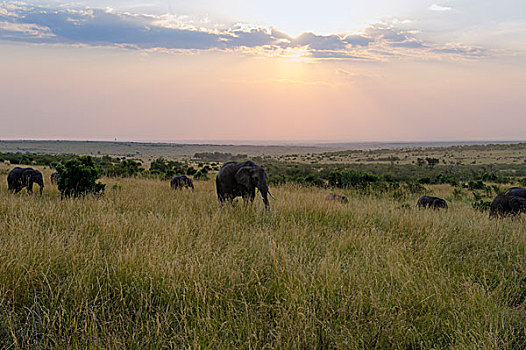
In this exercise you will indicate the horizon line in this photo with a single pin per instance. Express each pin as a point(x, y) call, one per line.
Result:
point(298, 143)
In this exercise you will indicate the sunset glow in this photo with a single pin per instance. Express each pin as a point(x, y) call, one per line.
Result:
point(208, 71)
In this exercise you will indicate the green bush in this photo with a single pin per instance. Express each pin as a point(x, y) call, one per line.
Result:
point(314, 180)
point(425, 180)
point(352, 179)
point(78, 177)
point(168, 168)
point(476, 185)
point(481, 205)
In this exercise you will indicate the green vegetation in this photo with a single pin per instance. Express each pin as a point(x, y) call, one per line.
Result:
point(78, 177)
point(141, 267)
point(144, 267)
point(106, 165)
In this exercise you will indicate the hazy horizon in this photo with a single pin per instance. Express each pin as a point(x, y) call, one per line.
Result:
point(338, 71)
point(320, 143)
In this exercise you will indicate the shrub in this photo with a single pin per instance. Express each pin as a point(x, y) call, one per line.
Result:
point(277, 179)
point(200, 175)
point(78, 177)
point(352, 179)
point(167, 168)
point(481, 205)
point(425, 180)
point(415, 187)
point(476, 185)
point(457, 193)
point(314, 180)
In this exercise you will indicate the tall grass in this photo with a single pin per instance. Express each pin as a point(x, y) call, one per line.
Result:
point(148, 267)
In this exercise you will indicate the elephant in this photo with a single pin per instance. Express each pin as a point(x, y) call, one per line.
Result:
point(516, 192)
point(504, 205)
point(431, 202)
point(19, 178)
point(337, 197)
point(54, 177)
point(181, 181)
point(236, 179)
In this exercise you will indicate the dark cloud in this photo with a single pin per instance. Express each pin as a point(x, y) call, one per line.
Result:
point(97, 27)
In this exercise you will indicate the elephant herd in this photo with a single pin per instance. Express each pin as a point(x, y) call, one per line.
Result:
point(241, 179)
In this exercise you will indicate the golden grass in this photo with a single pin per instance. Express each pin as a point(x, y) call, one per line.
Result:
point(147, 267)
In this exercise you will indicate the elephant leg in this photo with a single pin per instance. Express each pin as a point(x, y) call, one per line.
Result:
point(30, 187)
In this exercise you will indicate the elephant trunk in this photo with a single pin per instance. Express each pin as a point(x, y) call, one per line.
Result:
point(263, 191)
point(41, 184)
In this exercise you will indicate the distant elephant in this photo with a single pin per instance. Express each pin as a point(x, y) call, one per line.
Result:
point(19, 178)
point(337, 197)
point(504, 205)
point(516, 192)
point(431, 202)
point(54, 177)
point(181, 181)
point(236, 179)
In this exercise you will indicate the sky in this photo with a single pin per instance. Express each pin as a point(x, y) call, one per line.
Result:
point(342, 71)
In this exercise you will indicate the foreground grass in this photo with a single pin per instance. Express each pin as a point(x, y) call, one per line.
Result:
point(145, 267)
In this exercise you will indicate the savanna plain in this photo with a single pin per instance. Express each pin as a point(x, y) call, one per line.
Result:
point(144, 266)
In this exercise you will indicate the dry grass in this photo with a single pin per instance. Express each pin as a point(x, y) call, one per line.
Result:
point(147, 267)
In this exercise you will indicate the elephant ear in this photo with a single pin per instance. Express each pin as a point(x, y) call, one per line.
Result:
point(243, 176)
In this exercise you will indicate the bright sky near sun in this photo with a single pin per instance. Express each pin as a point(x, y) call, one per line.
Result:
point(334, 70)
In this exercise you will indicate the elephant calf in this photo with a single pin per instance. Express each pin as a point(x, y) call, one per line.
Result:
point(181, 181)
point(504, 205)
point(337, 197)
point(431, 202)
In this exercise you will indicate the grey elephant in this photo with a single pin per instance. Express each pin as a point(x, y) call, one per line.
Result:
point(236, 179)
point(431, 202)
point(504, 205)
point(337, 197)
point(516, 192)
point(54, 177)
point(18, 178)
point(181, 181)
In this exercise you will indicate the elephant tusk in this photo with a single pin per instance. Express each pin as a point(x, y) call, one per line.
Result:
point(271, 195)
point(261, 195)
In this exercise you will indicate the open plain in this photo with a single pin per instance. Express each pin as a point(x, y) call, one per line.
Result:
point(147, 267)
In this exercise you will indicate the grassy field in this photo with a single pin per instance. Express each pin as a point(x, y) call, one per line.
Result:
point(147, 267)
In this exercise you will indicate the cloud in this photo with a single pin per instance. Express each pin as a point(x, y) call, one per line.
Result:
point(109, 28)
point(439, 8)
point(23, 31)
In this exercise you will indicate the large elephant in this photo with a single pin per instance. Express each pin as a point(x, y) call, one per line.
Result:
point(431, 202)
point(181, 181)
point(516, 192)
point(236, 179)
point(19, 178)
point(504, 205)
